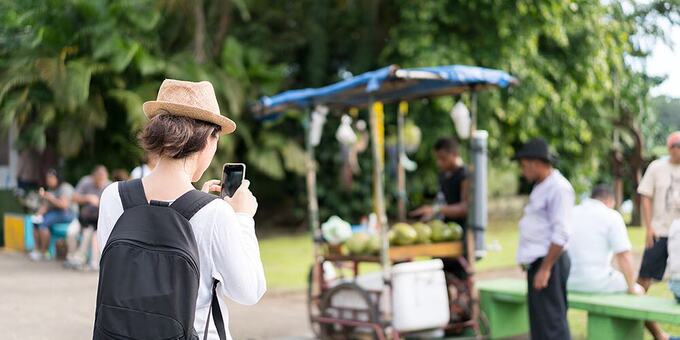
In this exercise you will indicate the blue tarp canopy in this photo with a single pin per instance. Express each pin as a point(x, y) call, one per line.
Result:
point(388, 84)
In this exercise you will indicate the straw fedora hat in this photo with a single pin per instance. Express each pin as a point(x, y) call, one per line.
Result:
point(189, 99)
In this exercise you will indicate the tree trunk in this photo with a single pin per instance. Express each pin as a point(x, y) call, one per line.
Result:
point(199, 32)
point(627, 122)
point(617, 173)
point(225, 8)
point(636, 163)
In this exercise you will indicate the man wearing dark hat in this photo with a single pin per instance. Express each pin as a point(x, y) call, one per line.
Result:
point(543, 235)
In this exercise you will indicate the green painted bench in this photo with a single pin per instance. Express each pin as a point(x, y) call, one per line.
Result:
point(610, 316)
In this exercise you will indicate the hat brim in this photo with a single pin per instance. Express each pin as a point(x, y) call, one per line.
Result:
point(152, 108)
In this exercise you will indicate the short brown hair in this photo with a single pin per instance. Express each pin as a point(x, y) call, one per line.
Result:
point(168, 135)
point(448, 145)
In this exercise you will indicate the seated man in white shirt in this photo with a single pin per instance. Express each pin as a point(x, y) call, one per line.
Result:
point(599, 234)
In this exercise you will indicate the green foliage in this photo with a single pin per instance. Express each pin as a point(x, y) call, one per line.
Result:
point(75, 73)
point(565, 54)
point(667, 119)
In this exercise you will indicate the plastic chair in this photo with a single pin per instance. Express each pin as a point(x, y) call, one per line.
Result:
point(29, 242)
point(58, 232)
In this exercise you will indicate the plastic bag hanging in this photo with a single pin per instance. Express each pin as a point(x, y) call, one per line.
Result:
point(359, 146)
point(347, 138)
point(345, 134)
point(316, 127)
point(460, 115)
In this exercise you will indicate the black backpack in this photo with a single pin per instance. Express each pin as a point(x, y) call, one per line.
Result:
point(149, 270)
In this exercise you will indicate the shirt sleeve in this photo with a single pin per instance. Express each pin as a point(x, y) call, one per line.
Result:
point(80, 187)
point(618, 236)
point(560, 212)
point(110, 209)
point(646, 186)
point(236, 256)
point(65, 191)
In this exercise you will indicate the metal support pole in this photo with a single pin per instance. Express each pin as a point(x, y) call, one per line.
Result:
point(312, 202)
point(379, 203)
point(313, 209)
point(469, 239)
point(479, 213)
point(401, 173)
point(472, 202)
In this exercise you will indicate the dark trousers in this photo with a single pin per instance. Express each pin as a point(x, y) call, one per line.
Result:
point(548, 306)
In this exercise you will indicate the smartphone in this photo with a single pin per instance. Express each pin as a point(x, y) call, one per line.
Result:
point(232, 176)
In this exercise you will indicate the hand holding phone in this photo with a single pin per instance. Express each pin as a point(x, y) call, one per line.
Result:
point(233, 175)
point(243, 201)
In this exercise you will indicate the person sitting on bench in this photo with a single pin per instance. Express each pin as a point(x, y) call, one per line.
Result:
point(599, 234)
point(57, 207)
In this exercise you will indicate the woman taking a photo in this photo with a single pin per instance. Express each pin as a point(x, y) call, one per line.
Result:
point(184, 127)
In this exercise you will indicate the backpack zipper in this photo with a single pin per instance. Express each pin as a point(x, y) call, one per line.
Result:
point(175, 251)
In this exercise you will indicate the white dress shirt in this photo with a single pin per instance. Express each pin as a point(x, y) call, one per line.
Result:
point(598, 233)
point(546, 219)
point(227, 248)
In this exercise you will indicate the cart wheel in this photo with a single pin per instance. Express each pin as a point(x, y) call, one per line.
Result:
point(483, 329)
point(348, 301)
point(460, 299)
point(312, 305)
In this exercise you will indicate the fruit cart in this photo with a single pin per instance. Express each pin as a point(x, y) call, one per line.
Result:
point(344, 304)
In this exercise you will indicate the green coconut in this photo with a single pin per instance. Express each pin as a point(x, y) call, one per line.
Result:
point(423, 231)
point(404, 234)
point(357, 243)
point(456, 231)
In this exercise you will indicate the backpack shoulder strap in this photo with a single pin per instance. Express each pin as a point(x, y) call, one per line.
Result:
point(216, 312)
point(191, 202)
point(131, 193)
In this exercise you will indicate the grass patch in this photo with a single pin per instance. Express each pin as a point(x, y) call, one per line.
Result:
point(287, 258)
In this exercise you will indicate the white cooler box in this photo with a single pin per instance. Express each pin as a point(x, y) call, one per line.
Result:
point(420, 299)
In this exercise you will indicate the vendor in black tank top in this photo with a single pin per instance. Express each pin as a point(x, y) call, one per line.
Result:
point(453, 186)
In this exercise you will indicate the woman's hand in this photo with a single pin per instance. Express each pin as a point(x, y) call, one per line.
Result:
point(212, 185)
point(243, 200)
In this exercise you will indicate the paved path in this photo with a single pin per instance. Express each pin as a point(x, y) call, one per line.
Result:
point(43, 301)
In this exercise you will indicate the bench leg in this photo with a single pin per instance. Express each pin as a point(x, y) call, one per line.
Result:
point(506, 318)
point(603, 327)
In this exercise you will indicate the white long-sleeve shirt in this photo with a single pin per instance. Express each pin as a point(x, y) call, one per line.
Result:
point(546, 219)
point(228, 251)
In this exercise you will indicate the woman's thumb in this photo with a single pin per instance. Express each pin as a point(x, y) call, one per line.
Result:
point(245, 184)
